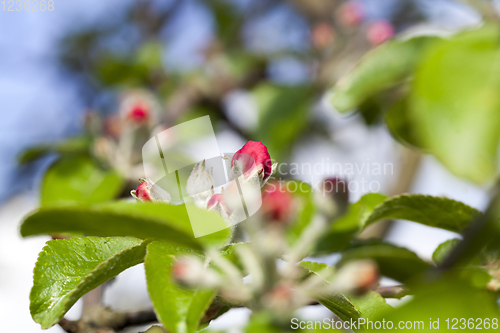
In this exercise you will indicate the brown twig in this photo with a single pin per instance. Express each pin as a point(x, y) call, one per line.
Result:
point(100, 319)
point(392, 292)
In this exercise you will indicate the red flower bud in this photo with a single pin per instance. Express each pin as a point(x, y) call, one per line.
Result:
point(139, 107)
point(261, 165)
point(139, 114)
point(379, 31)
point(142, 192)
point(276, 203)
point(149, 191)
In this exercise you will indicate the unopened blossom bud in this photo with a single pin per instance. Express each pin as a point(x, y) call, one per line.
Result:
point(277, 203)
point(379, 31)
point(149, 191)
point(217, 203)
point(282, 298)
point(190, 272)
point(139, 108)
point(351, 13)
point(333, 197)
point(139, 114)
point(253, 161)
point(357, 277)
point(200, 185)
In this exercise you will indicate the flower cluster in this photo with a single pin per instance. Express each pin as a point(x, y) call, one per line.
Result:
point(257, 279)
point(250, 165)
point(353, 13)
point(274, 287)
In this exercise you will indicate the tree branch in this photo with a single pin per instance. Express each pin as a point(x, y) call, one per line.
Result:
point(393, 291)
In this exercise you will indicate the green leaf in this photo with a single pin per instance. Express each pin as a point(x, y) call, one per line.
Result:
point(455, 107)
point(371, 305)
point(262, 322)
point(75, 145)
point(79, 179)
point(230, 253)
point(319, 268)
point(475, 272)
point(131, 70)
point(399, 124)
point(179, 309)
point(68, 268)
point(445, 299)
point(304, 209)
point(141, 220)
point(337, 303)
point(341, 306)
point(395, 262)
point(155, 329)
point(347, 307)
point(342, 231)
point(444, 249)
point(380, 69)
point(432, 211)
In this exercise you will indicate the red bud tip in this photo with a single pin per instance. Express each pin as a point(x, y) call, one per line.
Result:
point(260, 157)
point(142, 192)
point(138, 114)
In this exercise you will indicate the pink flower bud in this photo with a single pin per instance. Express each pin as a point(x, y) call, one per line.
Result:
point(379, 31)
point(149, 191)
point(259, 166)
point(139, 107)
point(190, 272)
point(351, 13)
point(139, 114)
point(357, 277)
point(276, 203)
point(218, 203)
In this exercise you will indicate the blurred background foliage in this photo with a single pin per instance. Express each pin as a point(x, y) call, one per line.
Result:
point(258, 68)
